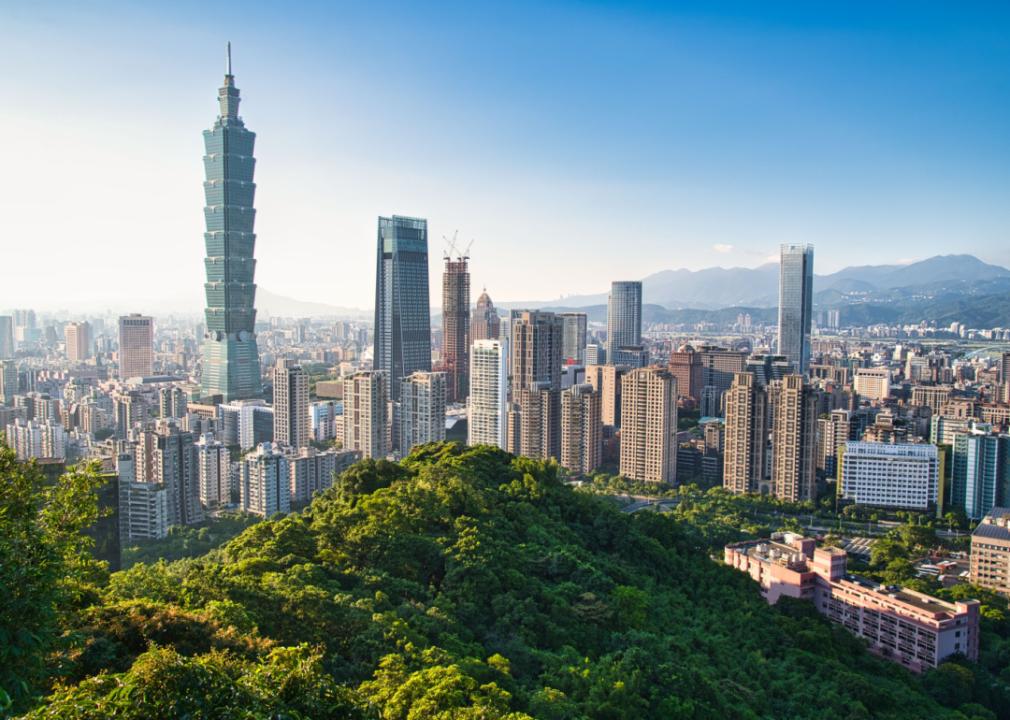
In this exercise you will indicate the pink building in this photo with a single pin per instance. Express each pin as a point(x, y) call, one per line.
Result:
point(908, 627)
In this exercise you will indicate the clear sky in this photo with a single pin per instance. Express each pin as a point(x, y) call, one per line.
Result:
point(576, 143)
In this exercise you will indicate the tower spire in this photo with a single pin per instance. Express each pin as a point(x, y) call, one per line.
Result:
point(229, 58)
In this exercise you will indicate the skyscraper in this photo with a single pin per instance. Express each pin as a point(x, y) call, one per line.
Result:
point(487, 404)
point(980, 475)
point(624, 323)
point(796, 287)
point(231, 363)
point(536, 350)
point(746, 435)
point(6, 337)
point(78, 339)
point(169, 457)
point(573, 344)
point(649, 426)
point(8, 381)
point(485, 325)
point(136, 346)
point(291, 404)
point(794, 439)
point(402, 312)
point(422, 409)
point(456, 327)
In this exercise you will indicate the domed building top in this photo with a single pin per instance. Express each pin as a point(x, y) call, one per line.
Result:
point(484, 301)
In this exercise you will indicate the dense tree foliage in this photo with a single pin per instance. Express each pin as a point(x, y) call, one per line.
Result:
point(466, 583)
point(186, 541)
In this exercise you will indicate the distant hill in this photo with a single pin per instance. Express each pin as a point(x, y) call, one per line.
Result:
point(270, 305)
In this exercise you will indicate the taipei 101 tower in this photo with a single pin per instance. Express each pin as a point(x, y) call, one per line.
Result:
point(231, 365)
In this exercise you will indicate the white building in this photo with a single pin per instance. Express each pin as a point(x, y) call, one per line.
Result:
point(323, 419)
point(143, 506)
point(264, 481)
point(886, 475)
point(873, 383)
point(422, 409)
point(37, 439)
point(366, 413)
point(487, 406)
point(291, 404)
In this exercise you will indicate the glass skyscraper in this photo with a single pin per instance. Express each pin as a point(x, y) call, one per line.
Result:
point(796, 293)
point(402, 313)
point(624, 324)
point(231, 364)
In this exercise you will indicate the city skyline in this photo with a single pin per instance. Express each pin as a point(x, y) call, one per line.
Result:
point(540, 165)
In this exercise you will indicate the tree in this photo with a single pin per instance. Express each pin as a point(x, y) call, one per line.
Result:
point(44, 564)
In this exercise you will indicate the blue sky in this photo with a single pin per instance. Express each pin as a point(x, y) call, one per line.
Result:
point(576, 143)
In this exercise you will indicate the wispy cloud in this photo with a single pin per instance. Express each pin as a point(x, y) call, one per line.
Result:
point(723, 248)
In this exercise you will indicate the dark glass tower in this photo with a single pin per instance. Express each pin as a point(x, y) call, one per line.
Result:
point(402, 313)
point(796, 289)
point(231, 364)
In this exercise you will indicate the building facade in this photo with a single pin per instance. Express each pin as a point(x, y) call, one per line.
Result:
point(746, 435)
point(291, 405)
point(794, 440)
point(624, 323)
point(265, 482)
point(136, 346)
point(581, 429)
point(487, 406)
point(796, 284)
point(456, 328)
point(422, 409)
point(990, 551)
point(366, 413)
point(485, 323)
point(78, 341)
point(573, 334)
point(890, 475)
point(649, 426)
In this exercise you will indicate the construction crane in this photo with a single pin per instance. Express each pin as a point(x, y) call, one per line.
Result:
point(452, 249)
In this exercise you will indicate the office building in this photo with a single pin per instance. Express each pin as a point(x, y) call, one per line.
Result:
point(685, 365)
point(6, 337)
point(932, 396)
point(167, 456)
point(873, 383)
point(624, 323)
point(265, 481)
point(402, 312)
point(366, 413)
point(980, 472)
point(422, 409)
point(485, 323)
point(581, 429)
point(487, 406)
point(796, 283)
point(213, 472)
point(794, 440)
point(893, 476)
point(291, 405)
point(990, 551)
point(78, 341)
point(768, 368)
point(746, 435)
point(136, 346)
point(718, 368)
point(456, 328)
point(649, 426)
point(573, 337)
point(37, 439)
point(913, 629)
point(231, 363)
point(245, 423)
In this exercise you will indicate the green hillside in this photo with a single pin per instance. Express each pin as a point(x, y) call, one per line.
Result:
point(461, 583)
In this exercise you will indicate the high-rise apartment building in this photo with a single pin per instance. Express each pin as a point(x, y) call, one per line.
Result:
point(581, 429)
point(573, 337)
point(796, 287)
point(624, 323)
point(366, 413)
point(213, 471)
point(649, 426)
point(231, 364)
point(6, 337)
point(143, 506)
point(718, 367)
point(39, 439)
point(685, 365)
point(794, 440)
point(168, 456)
point(534, 425)
point(265, 481)
point(485, 323)
point(78, 341)
point(172, 402)
point(487, 406)
point(311, 471)
point(136, 346)
point(606, 380)
point(833, 432)
point(746, 435)
point(402, 312)
point(422, 409)
point(890, 475)
point(990, 551)
point(291, 404)
point(456, 328)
